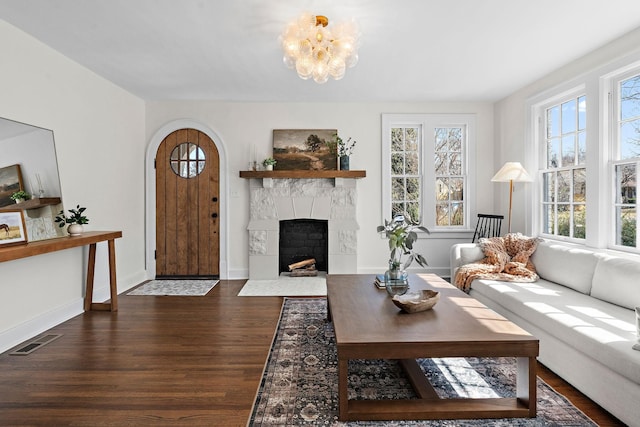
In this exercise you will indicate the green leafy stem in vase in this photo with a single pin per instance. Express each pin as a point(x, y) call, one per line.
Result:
point(76, 217)
point(402, 235)
point(340, 148)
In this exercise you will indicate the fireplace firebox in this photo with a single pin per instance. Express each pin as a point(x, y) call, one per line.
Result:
point(302, 239)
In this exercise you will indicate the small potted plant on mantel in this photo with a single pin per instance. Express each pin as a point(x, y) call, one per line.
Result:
point(76, 220)
point(268, 163)
point(20, 196)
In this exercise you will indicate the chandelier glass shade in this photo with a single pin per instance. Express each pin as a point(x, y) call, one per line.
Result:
point(317, 52)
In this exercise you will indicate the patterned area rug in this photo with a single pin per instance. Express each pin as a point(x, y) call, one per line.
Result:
point(175, 287)
point(286, 286)
point(300, 385)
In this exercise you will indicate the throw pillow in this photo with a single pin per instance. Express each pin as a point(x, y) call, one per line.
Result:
point(636, 346)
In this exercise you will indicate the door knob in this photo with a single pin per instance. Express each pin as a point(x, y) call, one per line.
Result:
point(214, 215)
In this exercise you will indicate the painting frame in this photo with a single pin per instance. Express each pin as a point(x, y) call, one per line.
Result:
point(304, 149)
point(10, 182)
point(13, 230)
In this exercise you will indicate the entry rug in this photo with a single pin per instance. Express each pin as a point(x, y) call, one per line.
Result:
point(175, 287)
point(286, 286)
point(300, 383)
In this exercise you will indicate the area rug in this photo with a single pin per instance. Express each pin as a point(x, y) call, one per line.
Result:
point(300, 384)
point(286, 286)
point(175, 287)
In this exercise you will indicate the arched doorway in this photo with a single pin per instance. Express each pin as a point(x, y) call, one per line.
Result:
point(187, 205)
point(152, 193)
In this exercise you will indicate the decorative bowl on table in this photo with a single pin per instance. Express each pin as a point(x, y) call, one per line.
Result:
point(413, 302)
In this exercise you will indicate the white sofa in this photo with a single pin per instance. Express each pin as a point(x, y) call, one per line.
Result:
point(582, 311)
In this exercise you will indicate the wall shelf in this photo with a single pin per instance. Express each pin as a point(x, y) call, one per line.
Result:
point(34, 203)
point(304, 174)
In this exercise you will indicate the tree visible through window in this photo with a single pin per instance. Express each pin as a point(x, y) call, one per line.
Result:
point(564, 174)
point(449, 176)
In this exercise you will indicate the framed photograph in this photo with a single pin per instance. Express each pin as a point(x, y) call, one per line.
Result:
point(12, 228)
point(304, 149)
point(10, 182)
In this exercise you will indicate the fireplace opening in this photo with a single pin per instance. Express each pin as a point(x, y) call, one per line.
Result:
point(302, 240)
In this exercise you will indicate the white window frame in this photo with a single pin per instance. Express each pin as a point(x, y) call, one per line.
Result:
point(426, 123)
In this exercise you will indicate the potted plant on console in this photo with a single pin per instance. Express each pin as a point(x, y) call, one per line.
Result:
point(76, 220)
point(269, 163)
point(20, 196)
point(402, 235)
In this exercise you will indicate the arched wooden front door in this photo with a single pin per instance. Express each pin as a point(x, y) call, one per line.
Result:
point(187, 206)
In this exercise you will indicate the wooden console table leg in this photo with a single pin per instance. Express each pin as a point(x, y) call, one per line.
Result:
point(112, 305)
point(91, 268)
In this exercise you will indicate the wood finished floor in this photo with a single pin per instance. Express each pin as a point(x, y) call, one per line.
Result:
point(193, 361)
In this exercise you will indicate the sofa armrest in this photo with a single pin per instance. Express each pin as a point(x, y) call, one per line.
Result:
point(463, 253)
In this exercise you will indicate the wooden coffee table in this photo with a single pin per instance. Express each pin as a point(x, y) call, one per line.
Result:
point(369, 326)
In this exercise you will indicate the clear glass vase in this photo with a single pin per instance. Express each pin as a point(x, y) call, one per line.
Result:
point(395, 280)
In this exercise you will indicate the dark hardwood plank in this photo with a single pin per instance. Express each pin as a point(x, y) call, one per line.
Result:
point(193, 361)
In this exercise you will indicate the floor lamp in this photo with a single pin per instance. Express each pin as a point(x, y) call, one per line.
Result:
point(511, 172)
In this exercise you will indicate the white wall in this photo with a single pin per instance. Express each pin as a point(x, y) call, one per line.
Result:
point(512, 136)
point(100, 142)
point(241, 125)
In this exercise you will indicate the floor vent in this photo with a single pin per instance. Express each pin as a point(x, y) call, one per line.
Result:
point(35, 344)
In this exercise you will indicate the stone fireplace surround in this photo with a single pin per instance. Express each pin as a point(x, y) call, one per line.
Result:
point(272, 200)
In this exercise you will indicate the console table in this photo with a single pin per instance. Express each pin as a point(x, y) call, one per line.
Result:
point(90, 238)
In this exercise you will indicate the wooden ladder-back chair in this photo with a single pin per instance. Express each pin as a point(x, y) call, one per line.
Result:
point(488, 226)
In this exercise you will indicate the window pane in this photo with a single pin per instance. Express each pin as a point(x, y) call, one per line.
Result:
point(413, 189)
point(397, 209)
point(440, 163)
point(568, 150)
point(411, 167)
point(455, 139)
point(626, 179)
point(553, 122)
point(397, 139)
point(455, 164)
point(397, 164)
point(630, 98)
point(442, 214)
point(457, 217)
point(564, 220)
point(582, 148)
point(582, 113)
point(413, 212)
point(564, 186)
point(630, 139)
point(580, 185)
point(441, 139)
point(411, 141)
point(553, 153)
point(579, 222)
point(569, 117)
point(456, 188)
point(548, 219)
point(397, 189)
point(626, 226)
point(442, 189)
point(549, 190)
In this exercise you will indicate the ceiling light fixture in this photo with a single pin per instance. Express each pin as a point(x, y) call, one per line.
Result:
point(315, 51)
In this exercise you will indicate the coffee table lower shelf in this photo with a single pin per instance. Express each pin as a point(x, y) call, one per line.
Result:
point(429, 406)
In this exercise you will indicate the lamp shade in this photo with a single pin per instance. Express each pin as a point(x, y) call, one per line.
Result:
point(511, 171)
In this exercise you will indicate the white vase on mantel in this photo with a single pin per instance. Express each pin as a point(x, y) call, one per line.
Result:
point(75, 230)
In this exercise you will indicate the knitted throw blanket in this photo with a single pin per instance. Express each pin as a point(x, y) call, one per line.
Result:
point(506, 259)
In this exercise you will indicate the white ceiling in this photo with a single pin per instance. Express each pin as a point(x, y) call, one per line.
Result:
point(412, 50)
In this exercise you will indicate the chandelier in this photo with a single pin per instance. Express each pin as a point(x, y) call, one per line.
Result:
point(315, 51)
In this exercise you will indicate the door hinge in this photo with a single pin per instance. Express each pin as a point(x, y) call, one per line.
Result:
point(154, 163)
point(155, 254)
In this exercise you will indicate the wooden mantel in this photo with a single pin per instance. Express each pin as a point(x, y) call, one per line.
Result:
point(303, 174)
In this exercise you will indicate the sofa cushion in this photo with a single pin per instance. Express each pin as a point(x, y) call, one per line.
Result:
point(564, 265)
point(617, 280)
point(603, 331)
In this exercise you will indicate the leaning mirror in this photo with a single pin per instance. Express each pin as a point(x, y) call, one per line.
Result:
point(28, 163)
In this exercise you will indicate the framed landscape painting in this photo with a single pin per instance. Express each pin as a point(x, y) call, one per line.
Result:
point(304, 149)
point(12, 228)
point(10, 182)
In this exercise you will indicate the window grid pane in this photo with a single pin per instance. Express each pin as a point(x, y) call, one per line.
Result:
point(564, 177)
point(405, 174)
point(448, 165)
